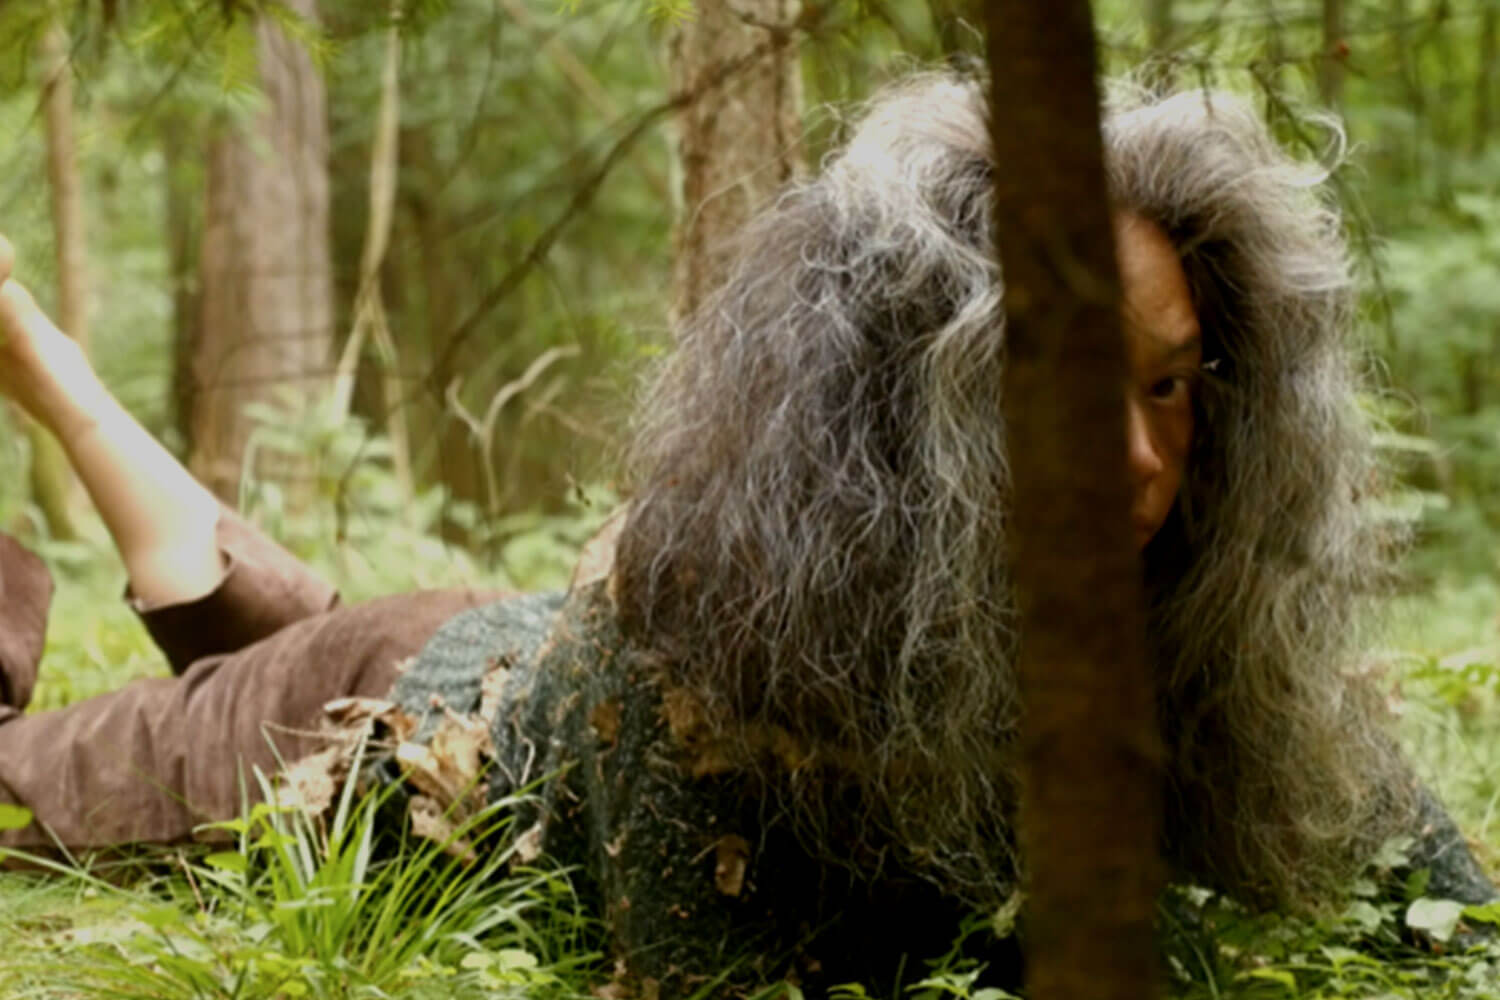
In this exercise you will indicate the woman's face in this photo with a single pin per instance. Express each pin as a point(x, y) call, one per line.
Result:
point(1164, 352)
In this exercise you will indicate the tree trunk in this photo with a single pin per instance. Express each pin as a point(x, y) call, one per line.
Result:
point(1484, 86)
point(1335, 50)
point(1159, 44)
point(425, 240)
point(369, 306)
point(181, 158)
point(1090, 746)
point(66, 187)
point(51, 479)
point(737, 145)
point(1159, 27)
point(266, 327)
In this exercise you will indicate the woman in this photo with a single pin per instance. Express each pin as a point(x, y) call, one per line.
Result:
point(789, 700)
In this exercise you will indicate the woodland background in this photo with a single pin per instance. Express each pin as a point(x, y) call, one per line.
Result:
point(385, 274)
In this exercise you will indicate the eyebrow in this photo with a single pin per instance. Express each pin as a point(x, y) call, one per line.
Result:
point(1193, 343)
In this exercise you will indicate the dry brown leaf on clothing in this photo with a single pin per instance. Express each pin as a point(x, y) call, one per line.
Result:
point(449, 767)
point(605, 720)
point(732, 854)
point(310, 784)
point(428, 820)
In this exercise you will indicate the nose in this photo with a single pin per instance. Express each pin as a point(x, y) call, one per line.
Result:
point(1144, 455)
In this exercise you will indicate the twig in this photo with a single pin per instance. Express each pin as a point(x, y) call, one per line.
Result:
point(584, 195)
point(483, 430)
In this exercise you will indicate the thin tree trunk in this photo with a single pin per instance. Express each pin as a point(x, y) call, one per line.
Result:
point(1331, 62)
point(369, 306)
point(66, 187)
point(1401, 48)
point(1090, 746)
point(1484, 86)
point(948, 21)
point(1159, 26)
point(181, 154)
point(267, 290)
point(1159, 44)
point(51, 479)
point(737, 145)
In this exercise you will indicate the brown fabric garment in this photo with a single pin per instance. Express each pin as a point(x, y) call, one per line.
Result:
point(264, 588)
point(25, 595)
point(160, 756)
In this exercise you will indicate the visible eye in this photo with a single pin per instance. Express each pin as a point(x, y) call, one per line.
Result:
point(1172, 389)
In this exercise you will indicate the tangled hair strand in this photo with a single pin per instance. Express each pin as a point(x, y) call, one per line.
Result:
point(817, 543)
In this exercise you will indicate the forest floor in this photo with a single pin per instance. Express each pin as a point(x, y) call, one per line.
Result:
point(294, 911)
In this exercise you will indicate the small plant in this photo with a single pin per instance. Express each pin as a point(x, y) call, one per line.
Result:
point(300, 908)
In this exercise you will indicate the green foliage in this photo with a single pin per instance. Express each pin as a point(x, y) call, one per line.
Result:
point(1371, 947)
point(302, 909)
point(349, 517)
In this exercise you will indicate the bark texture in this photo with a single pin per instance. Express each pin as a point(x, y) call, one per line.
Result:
point(1160, 43)
point(266, 326)
point(182, 156)
point(66, 189)
point(1484, 84)
point(52, 486)
point(1090, 747)
point(738, 145)
point(1335, 50)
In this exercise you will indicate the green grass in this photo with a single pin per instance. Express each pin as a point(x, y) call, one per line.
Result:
point(297, 909)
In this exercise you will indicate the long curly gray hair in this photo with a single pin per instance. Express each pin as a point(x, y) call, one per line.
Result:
point(817, 542)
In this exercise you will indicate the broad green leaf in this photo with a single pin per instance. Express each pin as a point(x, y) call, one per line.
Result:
point(507, 959)
point(14, 817)
point(1281, 976)
point(1434, 917)
point(1488, 913)
point(229, 861)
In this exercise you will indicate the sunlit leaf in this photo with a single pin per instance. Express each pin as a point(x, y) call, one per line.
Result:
point(1435, 917)
point(14, 817)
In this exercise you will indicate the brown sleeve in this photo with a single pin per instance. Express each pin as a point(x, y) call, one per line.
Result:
point(264, 589)
point(25, 594)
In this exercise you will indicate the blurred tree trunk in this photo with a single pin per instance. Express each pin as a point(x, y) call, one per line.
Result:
point(1159, 25)
point(442, 448)
point(737, 145)
point(181, 159)
point(1484, 86)
point(1401, 48)
point(1090, 745)
point(67, 190)
point(369, 322)
point(52, 486)
point(1335, 50)
point(948, 22)
point(1159, 42)
point(266, 329)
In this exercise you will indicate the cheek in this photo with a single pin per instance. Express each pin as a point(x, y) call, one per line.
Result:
point(1176, 436)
